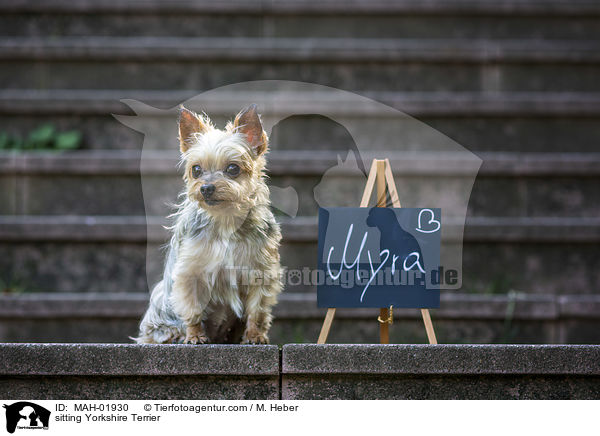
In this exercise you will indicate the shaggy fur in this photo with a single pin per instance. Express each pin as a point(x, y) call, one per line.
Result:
point(222, 272)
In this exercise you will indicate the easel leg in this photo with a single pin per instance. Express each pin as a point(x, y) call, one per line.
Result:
point(381, 190)
point(428, 326)
point(326, 326)
point(384, 327)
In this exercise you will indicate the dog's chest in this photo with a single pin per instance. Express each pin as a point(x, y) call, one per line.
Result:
point(217, 265)
point(218, 261)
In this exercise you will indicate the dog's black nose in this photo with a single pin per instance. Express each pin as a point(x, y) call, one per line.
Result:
point(207, 190)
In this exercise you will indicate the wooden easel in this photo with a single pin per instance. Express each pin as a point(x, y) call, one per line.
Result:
point(381, 173)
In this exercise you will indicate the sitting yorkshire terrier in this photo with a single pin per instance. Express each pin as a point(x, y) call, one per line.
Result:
point(222, 271)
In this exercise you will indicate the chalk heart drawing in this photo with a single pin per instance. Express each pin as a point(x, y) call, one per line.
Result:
point(432, 221)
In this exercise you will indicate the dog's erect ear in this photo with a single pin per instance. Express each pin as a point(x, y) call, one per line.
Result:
point(247, 122)
point(189, 123)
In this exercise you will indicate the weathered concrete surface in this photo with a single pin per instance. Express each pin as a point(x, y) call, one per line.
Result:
point(104, 371)
point(129, 359)
point(441, 388)
point(141, 388)
point(86, 371)
point(441, 359)
point(440, 372)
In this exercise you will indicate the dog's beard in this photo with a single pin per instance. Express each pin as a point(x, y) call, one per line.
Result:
point(226, 216)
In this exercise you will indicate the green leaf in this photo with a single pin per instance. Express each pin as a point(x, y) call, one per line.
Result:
point(16, 143)
point(41, 137)
point(68, 140)
point(4, 140)
point(28, 144)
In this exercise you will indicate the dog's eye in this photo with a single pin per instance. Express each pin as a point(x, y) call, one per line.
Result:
point(233, 170)
point(196, 171)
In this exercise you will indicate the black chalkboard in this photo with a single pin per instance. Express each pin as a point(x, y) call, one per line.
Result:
point(379, 257)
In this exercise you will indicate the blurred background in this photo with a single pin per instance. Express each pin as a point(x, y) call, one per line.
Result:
point(514, 82)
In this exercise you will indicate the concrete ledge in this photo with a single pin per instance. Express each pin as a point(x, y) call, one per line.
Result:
point(88, 371)
point(441, 359)
point(100, 371)
point(129, 359)
point(440, 372)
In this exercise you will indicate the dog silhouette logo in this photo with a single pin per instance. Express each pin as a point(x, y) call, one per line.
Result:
point(26, 415)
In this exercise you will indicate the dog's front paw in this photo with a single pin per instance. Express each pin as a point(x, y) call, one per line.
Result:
point(194, 334)
point(196, 339)
point(255, 339)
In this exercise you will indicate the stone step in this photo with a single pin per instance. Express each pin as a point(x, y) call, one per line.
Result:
point(477, 133)
point(128, 229)
point(447, 19)
point(346, 63)
point(440, 372)
point(311, 49)
point(313, 162)
point(407, 76)
point(461, 318)
point(133, 371)
point(327, 7)
point(515, 122)
point(112, 254)
point(108, 182)
point(299, 371)
point(419, 104)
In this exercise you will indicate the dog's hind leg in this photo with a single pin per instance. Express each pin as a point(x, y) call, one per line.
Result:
point(159, 326)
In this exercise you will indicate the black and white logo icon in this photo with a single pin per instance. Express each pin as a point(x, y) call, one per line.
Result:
point(26, 415)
